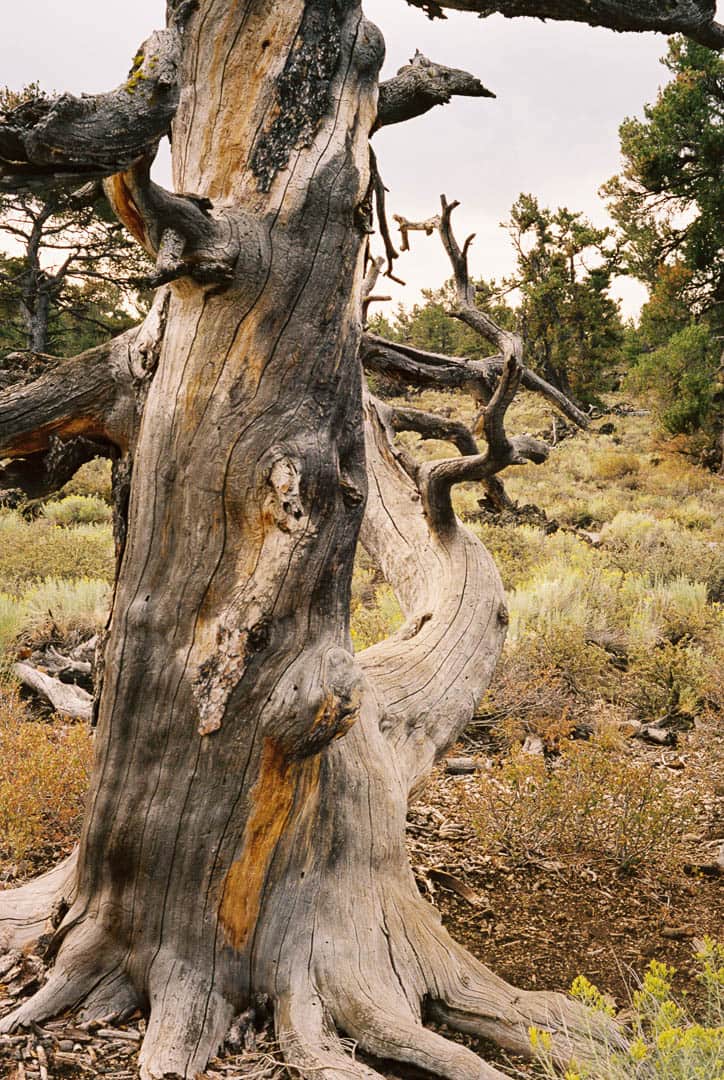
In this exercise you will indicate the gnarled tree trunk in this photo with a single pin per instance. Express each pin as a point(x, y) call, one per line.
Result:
point(245, 829)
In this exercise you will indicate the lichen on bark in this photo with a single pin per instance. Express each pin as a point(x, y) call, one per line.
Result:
point(303, 89)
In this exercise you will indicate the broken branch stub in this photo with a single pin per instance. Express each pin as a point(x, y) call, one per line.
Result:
point(421, 85)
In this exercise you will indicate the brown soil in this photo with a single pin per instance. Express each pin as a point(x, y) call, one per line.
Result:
point(541, 924)
point(538, 925)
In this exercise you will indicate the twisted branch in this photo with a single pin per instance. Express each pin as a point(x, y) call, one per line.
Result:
point(66, 138)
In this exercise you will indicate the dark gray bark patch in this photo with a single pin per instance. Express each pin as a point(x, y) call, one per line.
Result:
point(303, 89)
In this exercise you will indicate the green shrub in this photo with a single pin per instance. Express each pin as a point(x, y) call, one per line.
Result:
point(93, 478)
point(373, 623)
point(77, 510)
point(672, 682)
point(30, 551)
point(593, 802)
point(642, 543)
point(681, 378)
point(79, 604)
point(11, 621)
point(614, 465)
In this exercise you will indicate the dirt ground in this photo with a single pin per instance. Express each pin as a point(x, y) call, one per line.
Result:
point(541, 924)
point(538, 925)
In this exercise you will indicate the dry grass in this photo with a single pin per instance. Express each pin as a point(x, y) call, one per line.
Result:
point(593, 801)
point(44, 772)
point(31, 551)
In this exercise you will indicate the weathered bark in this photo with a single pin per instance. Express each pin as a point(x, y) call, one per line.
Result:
point(30, 912)
point(421, 85)
point(692, 17)
point(69, 137)
point(245, 829)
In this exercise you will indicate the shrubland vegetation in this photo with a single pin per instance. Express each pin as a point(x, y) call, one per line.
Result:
point(44, 774)
point(615, 621)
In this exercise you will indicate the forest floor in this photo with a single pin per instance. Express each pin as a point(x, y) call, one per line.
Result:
point(577, 845)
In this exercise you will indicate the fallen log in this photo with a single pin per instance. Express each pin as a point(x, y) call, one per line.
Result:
point(66, 698)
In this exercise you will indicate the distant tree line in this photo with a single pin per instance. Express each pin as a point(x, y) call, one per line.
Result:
point(668, 207)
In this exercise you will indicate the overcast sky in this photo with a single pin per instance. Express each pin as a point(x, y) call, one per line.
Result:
point(562, 91)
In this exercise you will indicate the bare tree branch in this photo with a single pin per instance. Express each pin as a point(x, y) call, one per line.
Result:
point(429, 226)
point(437, 478)
point(421, 85)
point(374, 270)
point(380, 191)
point(510, 344)
point(429, 426)
point(415, 367)
point(695, 18)
point(66, 698)
point(98, 395)
point(68, 137)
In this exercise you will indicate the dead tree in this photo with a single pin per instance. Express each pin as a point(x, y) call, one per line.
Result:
point(245, 827)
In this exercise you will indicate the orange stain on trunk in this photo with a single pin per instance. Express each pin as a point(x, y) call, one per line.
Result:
point(126, 209)
point(273, 797)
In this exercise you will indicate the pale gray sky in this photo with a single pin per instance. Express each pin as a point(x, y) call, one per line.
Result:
point(562, 89)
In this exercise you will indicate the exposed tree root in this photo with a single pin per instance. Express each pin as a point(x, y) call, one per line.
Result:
point(113, 997)
point(376, 985)
point(383, 986)
point(187, 1025)
point(81, 967)
point(309, 1042)
point(470, 998)
point(26, 913)
point(388, 1030)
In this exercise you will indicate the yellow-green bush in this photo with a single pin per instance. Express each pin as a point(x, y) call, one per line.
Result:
point(643, 543)
point(614, 465)
point(76, 604)
point(30, 551)
point(594, 801)
point(663, 1040)
point(93, 478)
point(77, 510)
point(516, 549)
point(70, 606)
point(44, 773)
point(376, 622)
point(11, 621)
point(675, 682)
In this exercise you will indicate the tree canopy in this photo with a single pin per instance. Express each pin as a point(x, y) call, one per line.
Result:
point(668, 201)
